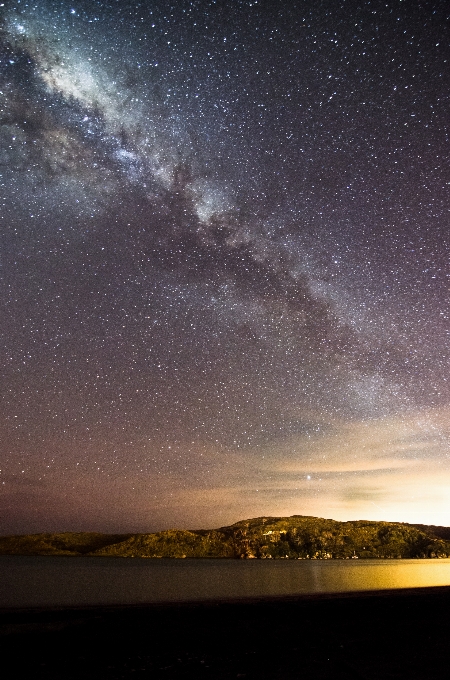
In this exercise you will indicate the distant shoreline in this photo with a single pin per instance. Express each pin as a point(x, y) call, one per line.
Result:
point(295, 537)
point(212, 559)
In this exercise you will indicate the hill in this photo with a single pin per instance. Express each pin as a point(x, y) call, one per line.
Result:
point(296, 537)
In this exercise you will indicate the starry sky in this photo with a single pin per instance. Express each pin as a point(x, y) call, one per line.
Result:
point(224, 262)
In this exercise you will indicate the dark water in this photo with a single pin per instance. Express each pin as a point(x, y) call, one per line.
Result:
point(55, 581)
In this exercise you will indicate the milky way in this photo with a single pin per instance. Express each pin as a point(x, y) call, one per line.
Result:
point(224, 263)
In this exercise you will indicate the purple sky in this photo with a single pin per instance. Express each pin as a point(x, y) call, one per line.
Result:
point(224, 263)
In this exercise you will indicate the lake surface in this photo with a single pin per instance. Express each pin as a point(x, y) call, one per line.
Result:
point(60, 581)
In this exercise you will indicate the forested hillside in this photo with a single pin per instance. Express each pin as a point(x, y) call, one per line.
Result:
point(296, 537)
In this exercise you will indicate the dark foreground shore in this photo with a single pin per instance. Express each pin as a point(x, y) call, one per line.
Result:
point(370, 636)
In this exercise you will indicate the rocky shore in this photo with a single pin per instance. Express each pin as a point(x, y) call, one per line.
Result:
point(370, 636)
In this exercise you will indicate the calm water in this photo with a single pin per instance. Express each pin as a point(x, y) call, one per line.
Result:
point(37, 581)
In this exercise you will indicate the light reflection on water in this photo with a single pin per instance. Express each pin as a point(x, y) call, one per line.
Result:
point(57, 581)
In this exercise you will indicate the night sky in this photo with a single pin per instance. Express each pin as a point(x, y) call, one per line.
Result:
point(224, 262)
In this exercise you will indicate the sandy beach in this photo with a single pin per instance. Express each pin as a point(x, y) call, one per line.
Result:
point(370, 636)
